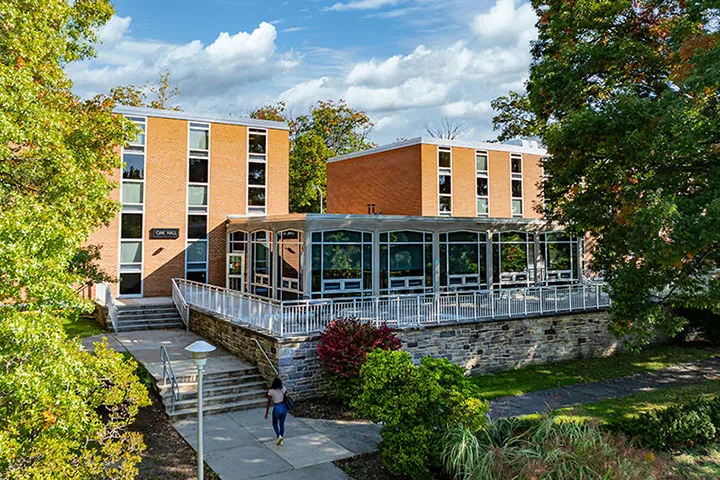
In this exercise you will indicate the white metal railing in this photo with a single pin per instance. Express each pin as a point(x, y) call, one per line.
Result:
point(299, 317)
point(169, 374)
point(104, 294)
point(236, 306)
point(180, 304)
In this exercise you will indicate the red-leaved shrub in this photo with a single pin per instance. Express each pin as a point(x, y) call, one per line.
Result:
point(343, 346)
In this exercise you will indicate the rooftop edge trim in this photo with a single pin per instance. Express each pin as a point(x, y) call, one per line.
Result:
point(503, 147)
point(193, 117)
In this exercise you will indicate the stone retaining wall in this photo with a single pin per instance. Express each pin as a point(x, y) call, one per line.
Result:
point(481, 347)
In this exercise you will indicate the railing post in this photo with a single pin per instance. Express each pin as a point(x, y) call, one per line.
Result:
point(509, 311)
point(419, 317)
point(583, 295)
point(525, 292)
point(475, 305)
point(556, 300)
point(457, 307)
point(492, 304)
point(597, 296)
point(542, 301)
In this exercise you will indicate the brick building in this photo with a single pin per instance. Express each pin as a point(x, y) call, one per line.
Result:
point(433, 177)
point(182, 177)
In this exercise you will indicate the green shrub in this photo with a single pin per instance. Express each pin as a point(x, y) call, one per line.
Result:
point(415, 405)
point(509, 449)
point(702, 321)
point(342, 349)
point(678, 426)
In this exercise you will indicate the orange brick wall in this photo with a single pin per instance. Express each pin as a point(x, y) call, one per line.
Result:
point(499, 175)
point(391, 180)
point(278, 172)
point(464, 186)
point(228, 192)
point(107, 238)
point(532, 178)
point(430, 186)
point(166, 166)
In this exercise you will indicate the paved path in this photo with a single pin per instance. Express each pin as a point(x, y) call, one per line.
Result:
point(554, 398)
point(241, 445)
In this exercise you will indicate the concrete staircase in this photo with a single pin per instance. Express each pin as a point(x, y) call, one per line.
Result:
point(238, 389)
point(148, 317)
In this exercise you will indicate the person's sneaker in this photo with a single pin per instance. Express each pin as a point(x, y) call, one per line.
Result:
point(280, 440)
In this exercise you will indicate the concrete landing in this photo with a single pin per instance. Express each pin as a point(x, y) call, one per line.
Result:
point(241, 445)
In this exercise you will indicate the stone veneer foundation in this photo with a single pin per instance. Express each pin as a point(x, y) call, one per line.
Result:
point(479, 347)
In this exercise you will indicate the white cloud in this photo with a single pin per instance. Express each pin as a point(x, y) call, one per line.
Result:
point(110, 33)
point(363, 5)
point(415, 92)
point(506, 22)
point(199, 70)
point(464, 108)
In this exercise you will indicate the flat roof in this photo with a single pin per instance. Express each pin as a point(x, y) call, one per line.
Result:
point(503, 147)
point(325, 221)
point(197, 117)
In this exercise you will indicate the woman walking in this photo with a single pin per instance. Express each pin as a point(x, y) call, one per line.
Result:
point(276, 397)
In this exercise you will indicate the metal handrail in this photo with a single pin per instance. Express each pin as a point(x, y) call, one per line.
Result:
point(180, 304)
point(169, 374)
point(266, 356)
point(109, 301)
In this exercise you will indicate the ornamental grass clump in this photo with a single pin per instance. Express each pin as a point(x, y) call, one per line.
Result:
point(343, 346)
point(509, 449)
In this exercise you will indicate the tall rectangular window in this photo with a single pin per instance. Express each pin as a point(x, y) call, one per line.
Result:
point(197, 201)
point(482, 182)
point(445, 181)
point(257, 172)
point(516, 184)
point(132, 198)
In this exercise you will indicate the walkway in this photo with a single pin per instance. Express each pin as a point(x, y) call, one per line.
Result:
point(555, 398)
point(241, 445)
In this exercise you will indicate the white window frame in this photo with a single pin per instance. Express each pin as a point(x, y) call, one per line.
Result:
point(343, 287)
point(466, 281)
point(256, 158)
point(482, 174)
point(199, 210)
point(514, 176)
point(406, 281)
point(287, 284)
point(136, 148)
point(444, 171)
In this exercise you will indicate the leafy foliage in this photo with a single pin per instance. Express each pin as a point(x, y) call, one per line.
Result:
point(153, 95)
point(685, 425)
point(329, 129)
point(626, 96)
point(65, 411)
point(702, 321)
point(415, 405)
point(343, 346)
point(509, 449)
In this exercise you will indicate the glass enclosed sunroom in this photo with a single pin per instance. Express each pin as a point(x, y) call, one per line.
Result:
point(324, 256)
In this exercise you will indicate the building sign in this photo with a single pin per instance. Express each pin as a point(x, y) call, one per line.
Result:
point(164, 233)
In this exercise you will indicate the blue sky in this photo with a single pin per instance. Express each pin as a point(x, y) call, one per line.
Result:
point(406, 62)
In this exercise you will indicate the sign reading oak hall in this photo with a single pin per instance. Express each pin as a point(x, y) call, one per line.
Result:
point(164, 233)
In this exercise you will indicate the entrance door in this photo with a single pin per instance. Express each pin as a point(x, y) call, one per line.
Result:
point(236, 271)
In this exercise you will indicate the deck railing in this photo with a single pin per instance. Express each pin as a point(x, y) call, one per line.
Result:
point(104, 295)
point(302, 317)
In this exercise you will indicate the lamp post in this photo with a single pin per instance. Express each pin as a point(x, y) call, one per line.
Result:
point(200, 352)
point(321, 197)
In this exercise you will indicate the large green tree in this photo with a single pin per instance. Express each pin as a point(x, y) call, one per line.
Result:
point(329, 129)
point(626, 96)
point(64, 411)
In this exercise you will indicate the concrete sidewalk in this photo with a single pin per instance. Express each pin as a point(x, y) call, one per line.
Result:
point(241, 445)
point(555, 398)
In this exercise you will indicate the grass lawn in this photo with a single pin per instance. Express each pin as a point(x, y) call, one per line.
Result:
point(541, 377)
point(77, 326)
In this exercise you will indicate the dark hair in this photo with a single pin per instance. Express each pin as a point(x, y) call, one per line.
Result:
point(277, 383)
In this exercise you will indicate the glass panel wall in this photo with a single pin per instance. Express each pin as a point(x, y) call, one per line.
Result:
point(560, 257)
point(463, 261)
point(290, 248)
point(405, 262)
point(513, 259)
point(341, 263)
point(261, 268)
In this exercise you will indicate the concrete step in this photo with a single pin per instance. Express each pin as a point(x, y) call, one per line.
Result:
point(143, 315)
point(215, 383)
point(234, 375)
point(248, 394)
point(221, 391)
point(146, 310)
point(186, 411)
point(123, 327)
